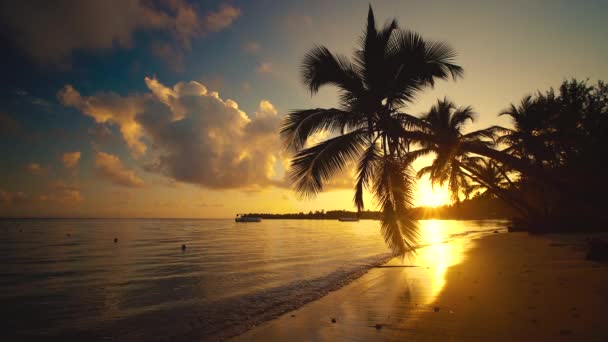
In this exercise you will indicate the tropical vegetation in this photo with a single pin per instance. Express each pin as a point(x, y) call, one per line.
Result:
point(535, 166)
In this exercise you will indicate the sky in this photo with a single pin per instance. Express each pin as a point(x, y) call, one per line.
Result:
point(171, 108)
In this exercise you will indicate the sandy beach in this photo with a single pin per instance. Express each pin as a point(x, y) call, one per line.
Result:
point(502, 287)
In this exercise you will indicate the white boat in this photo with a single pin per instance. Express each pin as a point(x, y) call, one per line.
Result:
point(241, 218)
point(348, 219)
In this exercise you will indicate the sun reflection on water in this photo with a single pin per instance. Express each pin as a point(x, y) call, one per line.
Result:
point(438, 253)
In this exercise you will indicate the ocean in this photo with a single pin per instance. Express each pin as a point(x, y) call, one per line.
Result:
point(68, 278)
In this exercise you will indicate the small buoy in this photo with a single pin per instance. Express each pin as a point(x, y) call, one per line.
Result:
point(183, 247)
point(293, 315)
point(333, 320)
point(436, 309)
point(68, 235)
point(378, 326)
point(115, 240)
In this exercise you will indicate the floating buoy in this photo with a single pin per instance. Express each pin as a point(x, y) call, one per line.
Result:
point(115, 240)
point(183, 247)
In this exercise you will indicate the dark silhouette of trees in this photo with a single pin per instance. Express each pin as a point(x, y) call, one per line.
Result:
point(549, 161)
point(390, 68)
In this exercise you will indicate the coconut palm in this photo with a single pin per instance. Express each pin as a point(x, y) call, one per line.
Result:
point(526, 139)
point(369, 129)
point(440, 132)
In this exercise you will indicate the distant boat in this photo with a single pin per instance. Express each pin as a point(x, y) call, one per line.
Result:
point(348, 219)
point(241, 218)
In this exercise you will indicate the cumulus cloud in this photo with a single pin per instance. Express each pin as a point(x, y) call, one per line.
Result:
point(194, 135)
point(110, 108)
point(49, 32)
point(203, 139)
point(70, 159)
point(111, 168)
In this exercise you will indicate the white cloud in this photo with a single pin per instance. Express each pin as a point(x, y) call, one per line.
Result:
point(111, 168)
point(194, 135)
point(203, 139)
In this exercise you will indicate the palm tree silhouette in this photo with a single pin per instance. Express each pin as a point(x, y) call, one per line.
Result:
point(440, 133)
point(526, 139)
point(369, 130)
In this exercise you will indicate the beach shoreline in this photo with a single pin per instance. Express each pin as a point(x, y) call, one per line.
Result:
point(506, 287)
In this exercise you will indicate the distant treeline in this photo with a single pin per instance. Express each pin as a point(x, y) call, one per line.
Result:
point(477, 208)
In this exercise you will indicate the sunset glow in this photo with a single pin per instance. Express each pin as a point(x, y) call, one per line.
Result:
point(129, 118)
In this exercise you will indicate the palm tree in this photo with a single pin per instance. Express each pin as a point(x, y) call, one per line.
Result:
point(369, 130)
point(526, 140)
point(457, 160)
point(439, 132)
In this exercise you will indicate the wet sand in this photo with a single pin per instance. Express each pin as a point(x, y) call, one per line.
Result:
point(503, 287)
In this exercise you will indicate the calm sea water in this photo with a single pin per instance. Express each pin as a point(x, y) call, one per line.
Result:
point(69, 279)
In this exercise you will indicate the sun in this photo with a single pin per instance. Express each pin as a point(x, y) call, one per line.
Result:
point(429, 196)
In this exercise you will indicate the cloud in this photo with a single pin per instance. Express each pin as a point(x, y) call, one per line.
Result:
point(111, 168)
point(264, 68)
point(251, 47)
point(49, 33)
point(110, 108)
point(36, 169)
point(203, 139)
point(194, 136)
point(222, 18)
point(70, 159)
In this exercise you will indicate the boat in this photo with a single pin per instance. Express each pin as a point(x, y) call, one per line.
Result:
point(348, 219)
point(243, 218)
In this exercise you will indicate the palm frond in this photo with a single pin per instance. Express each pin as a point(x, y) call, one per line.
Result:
point(442, 57)
point(365, 168)
point(460, 116)
point(316, 165)
point(320, 67)
point(393, 190)
point(299, 125)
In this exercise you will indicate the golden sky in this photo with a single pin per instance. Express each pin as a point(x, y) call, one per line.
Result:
point(173, 110)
